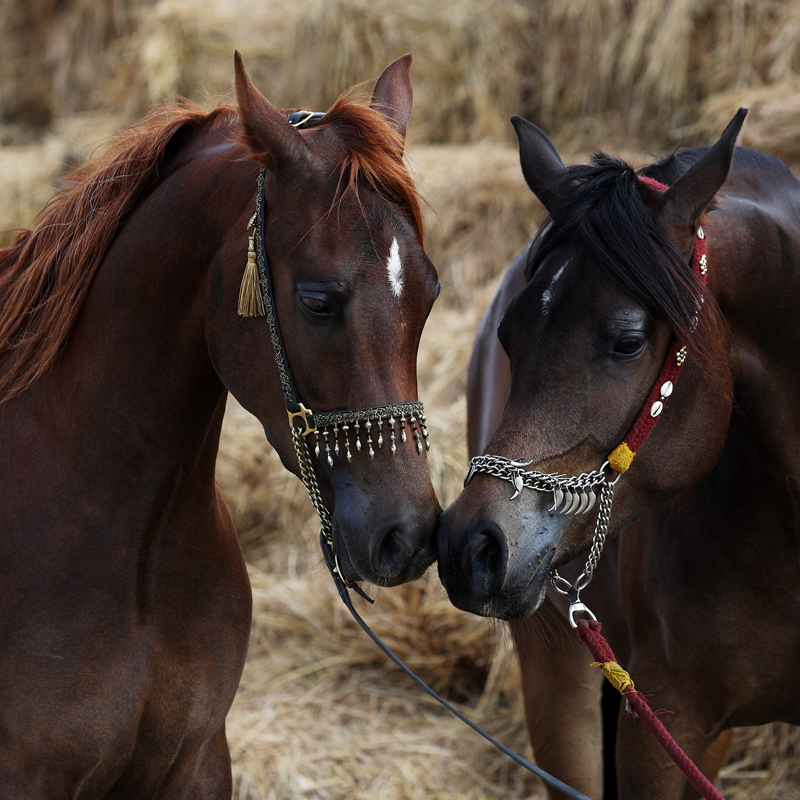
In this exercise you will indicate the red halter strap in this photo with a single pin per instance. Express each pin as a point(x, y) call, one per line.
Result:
point(622, 455)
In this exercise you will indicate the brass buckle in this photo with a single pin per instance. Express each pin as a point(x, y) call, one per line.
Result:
point(303, 413)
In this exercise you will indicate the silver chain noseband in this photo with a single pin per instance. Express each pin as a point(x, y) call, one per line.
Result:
point(575, 495)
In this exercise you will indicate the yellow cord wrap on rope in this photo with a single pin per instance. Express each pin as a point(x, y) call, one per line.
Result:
point(617, 676)
point(621, 458)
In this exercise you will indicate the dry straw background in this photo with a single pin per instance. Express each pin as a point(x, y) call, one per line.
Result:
point(320, 713)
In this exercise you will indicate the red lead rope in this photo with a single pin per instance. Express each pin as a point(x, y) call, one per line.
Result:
point(620, 459)
point(589, 631)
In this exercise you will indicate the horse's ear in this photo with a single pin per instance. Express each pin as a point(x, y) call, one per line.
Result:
point(267, 132)
point(393, 95)
point(686, 200)
point(541, 164)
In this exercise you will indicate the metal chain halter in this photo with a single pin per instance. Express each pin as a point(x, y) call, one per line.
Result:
point(575, 495)
point(256, 298)
point(578, 495)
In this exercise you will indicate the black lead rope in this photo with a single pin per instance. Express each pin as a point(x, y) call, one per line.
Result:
point(343, 593)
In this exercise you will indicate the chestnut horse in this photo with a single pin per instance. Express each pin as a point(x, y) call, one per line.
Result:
point(703, 472)
point(124, 600)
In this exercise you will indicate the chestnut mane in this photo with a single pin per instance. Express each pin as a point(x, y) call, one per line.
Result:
point(374, 156)
point(46, 274)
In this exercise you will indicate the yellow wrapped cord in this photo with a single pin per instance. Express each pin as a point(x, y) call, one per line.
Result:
point(617, 676)
point(621, 458)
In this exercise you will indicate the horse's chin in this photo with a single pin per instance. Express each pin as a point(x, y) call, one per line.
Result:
point(519, 596)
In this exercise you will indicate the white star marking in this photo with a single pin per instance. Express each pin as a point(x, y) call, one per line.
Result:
point(394, 266)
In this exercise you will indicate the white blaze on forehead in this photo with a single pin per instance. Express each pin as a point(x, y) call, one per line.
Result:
point(394, 266)
point(547, 295)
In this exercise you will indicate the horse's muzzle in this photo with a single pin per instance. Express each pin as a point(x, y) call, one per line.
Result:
point(488, 573)
point(392, 552)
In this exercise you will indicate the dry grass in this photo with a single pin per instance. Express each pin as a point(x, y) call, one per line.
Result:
point(586, 70)
point(480, 214)
point(320, 713)
point(772, 120)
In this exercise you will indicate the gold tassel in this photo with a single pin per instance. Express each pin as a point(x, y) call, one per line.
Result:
point(251, 303)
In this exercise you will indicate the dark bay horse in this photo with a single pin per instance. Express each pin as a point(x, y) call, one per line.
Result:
point(568, 726)
point(124, 599)
point(705, 469)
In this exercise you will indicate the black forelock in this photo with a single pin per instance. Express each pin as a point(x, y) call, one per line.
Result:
point(598, 213)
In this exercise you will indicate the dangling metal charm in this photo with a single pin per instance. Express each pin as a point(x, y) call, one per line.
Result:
point(327, 447)
point(413, 421)
point(345, 429)
point(368, 426)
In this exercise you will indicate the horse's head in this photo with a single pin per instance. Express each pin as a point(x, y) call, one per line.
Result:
point(611, 295)
point(351, 288)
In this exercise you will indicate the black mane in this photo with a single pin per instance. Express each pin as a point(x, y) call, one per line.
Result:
point(598, 211)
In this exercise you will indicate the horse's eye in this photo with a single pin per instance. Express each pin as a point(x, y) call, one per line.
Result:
point(629, 345)
point(316, 303)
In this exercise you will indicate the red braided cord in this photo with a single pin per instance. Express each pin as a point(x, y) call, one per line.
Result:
point(645, 422)
point(653, 183)
point(589, 631)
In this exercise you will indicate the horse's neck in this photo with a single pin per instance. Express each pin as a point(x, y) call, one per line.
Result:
point(759, 282)
point(134, 389)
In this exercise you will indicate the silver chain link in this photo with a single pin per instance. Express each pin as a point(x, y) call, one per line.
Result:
point(574, 495)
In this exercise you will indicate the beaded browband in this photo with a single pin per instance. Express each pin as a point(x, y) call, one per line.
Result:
point(578, 495)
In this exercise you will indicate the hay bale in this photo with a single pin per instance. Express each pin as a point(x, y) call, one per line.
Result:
point(62, 57)
point(480, 213)
point(469, 59)
point(772, 120)
point(25, 173)
point(622, 70)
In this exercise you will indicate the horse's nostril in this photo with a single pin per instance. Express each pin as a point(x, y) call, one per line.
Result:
point(487, 561)
point(393, 553)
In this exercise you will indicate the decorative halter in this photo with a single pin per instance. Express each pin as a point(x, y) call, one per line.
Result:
point(256, 299)
point(622, 455)
point(578, 495)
